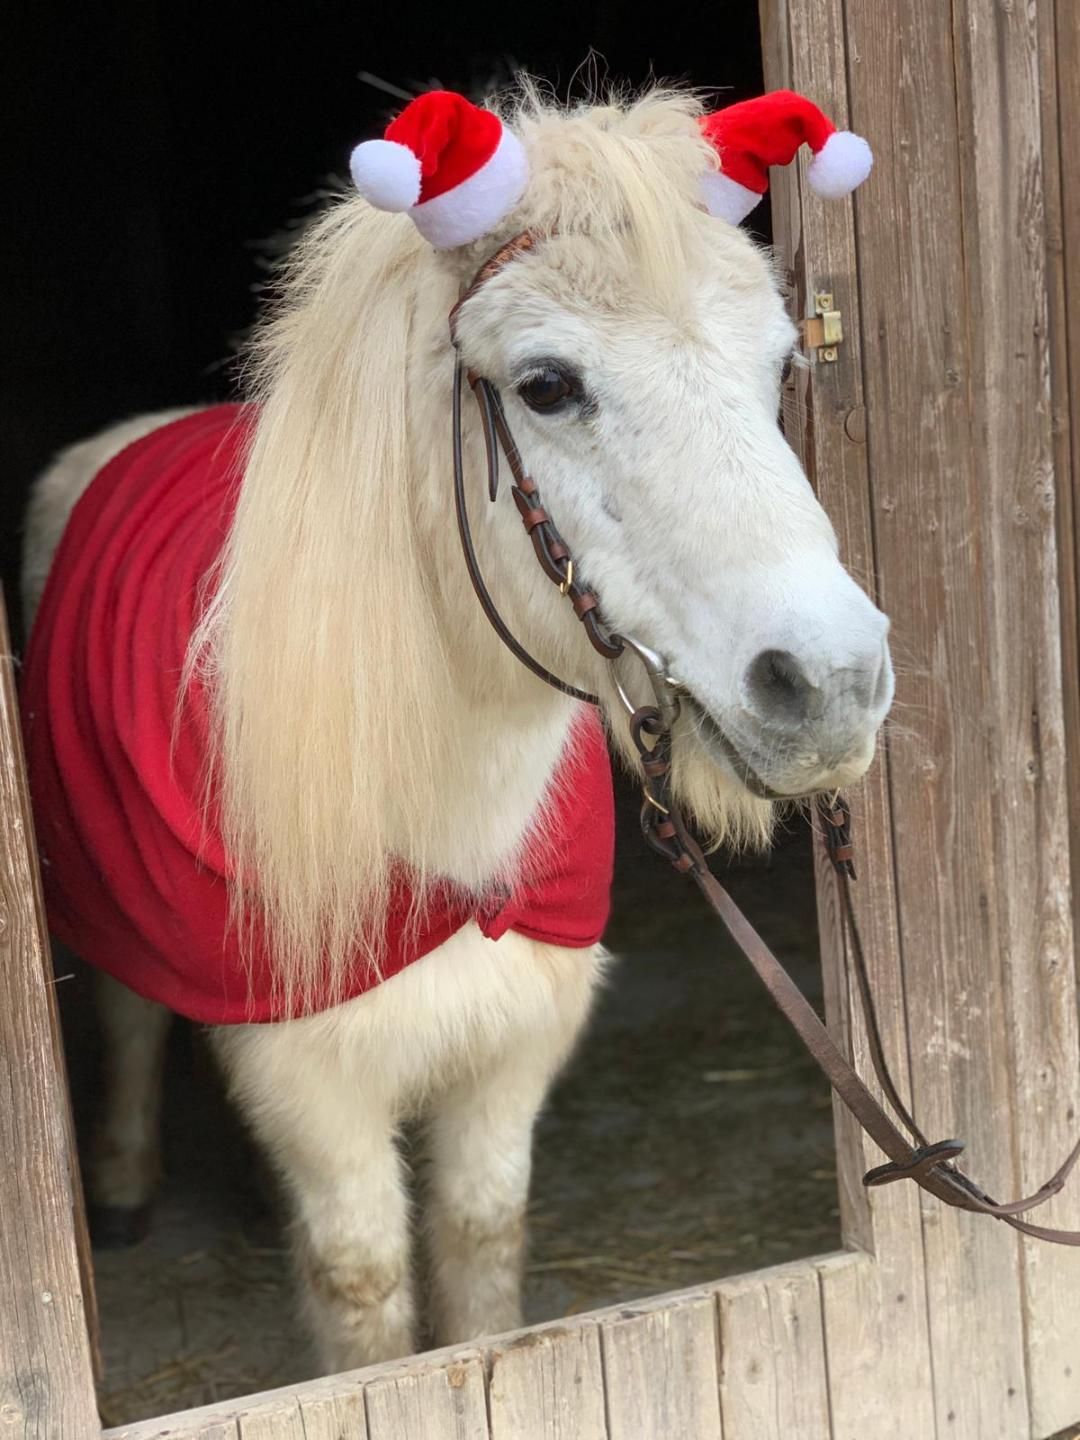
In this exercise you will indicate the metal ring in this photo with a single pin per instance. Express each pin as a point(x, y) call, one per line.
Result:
point(664, 686)
point(565, 586)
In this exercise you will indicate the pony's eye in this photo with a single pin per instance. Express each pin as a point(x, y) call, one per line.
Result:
point(785, 373)
point(548, 389)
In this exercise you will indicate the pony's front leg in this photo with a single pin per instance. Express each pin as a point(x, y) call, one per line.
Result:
point(334, 1146)
point(125, 1163)
point(480, 1151)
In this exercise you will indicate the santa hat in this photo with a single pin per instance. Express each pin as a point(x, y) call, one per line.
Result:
point(456, 169)
point(751, 136)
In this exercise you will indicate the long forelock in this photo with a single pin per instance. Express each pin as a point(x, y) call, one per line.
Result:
point(624, 171)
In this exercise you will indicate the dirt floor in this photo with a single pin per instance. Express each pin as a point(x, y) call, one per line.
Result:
point(689, 1139)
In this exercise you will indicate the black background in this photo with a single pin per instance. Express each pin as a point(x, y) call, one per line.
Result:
point(156, 145)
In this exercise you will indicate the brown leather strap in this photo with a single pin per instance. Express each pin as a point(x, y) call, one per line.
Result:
point(472, 563)
point(515, 247)
point(929, 1165)
point(548, 545)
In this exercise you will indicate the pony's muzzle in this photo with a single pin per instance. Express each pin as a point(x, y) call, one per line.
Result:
point(783, 692)
point(807, 724)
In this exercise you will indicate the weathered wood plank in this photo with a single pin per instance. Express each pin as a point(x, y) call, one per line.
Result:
point(439, 1403)
point(279, 1420)
point(1064, 46)
point(1059, 75)
point(331, 1408)
point(299, 1417)
point(46, 1370)
point(548, 1386)
point(933, 458)
point(1005, 215)
point(1012, 60)
point(773, 1375)
point(857, 1308)
point(335, 1417)
point(661, 1374)
point(200, 1424)
point(805, 48)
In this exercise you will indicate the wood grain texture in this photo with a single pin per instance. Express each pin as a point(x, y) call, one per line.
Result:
point(436, 1403)
point(773, 1374)
point(951, 290)
point(204, 1423)
point(1014, 60)
point(1060, 83)
point(880, 1349)
point(331, 1408)
point(279, 1420)
point(335, 1417)
point(1005, 222)
point(322, 1416)
point(46, 1371)
point(548, 1386)
point(866, 1324)
point(661, 1373)
point(1061, 50)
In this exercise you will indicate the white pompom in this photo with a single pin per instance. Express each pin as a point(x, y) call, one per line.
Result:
point(842, 164)
point(386, 174)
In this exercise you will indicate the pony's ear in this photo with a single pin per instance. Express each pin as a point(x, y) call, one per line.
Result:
point(751, 136)
point(456, 169)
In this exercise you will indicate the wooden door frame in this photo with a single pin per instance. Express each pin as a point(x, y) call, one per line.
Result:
point(943, 443)
point(47, 1317)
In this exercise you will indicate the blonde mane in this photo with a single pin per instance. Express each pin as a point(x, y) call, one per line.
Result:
point(326, 645)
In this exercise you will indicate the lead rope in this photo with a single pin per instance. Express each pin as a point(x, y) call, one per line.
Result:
point(930, 1166)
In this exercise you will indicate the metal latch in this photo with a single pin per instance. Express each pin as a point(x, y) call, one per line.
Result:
point(823, 331)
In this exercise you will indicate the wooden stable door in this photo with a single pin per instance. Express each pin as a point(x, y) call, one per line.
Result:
point(941, 432)
point(939, 440)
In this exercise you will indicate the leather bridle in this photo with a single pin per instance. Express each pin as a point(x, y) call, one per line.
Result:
point(931, 1165)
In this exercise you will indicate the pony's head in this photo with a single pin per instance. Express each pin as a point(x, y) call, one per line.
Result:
point(640, 349)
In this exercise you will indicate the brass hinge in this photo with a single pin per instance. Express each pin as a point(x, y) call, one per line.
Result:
point(823, 331)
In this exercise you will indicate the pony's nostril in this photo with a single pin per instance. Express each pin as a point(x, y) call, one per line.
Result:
point(778, 689)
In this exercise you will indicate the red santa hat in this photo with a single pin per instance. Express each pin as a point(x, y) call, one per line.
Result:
point(751, 136)
point(454, 168)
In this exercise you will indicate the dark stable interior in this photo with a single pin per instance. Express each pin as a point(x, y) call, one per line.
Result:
point(161, 150)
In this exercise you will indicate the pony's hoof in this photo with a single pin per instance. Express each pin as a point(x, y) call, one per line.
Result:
point(117, 1227)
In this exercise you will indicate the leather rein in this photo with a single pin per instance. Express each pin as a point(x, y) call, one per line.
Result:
point(911, 1157)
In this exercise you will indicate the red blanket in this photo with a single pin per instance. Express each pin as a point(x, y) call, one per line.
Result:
point(133, 881)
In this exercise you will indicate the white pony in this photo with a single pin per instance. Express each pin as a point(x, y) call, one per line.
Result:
point(367, 714)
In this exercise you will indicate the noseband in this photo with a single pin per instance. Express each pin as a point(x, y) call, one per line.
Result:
point(930, 1165)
